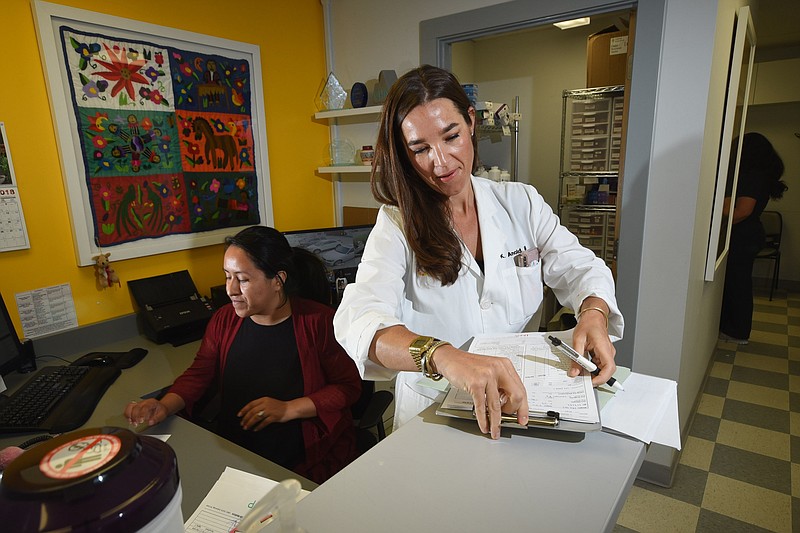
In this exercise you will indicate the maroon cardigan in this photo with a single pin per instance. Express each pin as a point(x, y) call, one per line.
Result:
point(330, 378)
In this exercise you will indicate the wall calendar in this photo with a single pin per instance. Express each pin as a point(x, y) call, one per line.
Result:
point(13, 233)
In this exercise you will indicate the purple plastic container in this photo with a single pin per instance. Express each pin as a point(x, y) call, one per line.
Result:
point(95, 479)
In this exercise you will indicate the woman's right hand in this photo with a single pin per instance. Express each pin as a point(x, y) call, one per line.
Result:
point(150, 411)
point(493, 383)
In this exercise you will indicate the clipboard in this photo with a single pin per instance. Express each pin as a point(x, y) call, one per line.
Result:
point(542, 369)
point(536, 419)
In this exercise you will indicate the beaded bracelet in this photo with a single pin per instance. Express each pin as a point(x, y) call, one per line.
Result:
point(578, 317)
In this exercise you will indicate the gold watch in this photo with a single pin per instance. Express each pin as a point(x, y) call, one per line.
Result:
point(418, 347)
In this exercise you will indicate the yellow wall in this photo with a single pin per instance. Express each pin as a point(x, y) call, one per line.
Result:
point(291, 39)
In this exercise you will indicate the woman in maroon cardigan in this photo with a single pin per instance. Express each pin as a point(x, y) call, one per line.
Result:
point(286, 385)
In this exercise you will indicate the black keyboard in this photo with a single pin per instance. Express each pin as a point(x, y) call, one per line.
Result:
point(56, 399)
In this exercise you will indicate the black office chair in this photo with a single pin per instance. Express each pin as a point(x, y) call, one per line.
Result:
point(368, 414)
point(773, 227)
point(369, 409)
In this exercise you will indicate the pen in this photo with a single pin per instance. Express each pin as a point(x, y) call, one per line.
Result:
point(612, 382)
point(567, 350)
point(585, 363)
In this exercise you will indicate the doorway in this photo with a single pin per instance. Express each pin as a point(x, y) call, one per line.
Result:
point(535, 64)
point(533, 68)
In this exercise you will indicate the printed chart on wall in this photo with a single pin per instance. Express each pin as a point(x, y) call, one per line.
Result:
point(13, 233)
point(46, 310)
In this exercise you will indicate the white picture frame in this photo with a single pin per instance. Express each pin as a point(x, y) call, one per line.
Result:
point(49, 19)
point(734, 117)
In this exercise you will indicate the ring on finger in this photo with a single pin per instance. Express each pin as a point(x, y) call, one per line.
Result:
point(260, 414)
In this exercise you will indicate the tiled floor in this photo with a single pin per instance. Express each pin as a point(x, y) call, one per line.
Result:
point(740, 465)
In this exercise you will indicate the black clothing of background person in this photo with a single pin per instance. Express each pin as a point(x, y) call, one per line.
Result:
point(760, 170)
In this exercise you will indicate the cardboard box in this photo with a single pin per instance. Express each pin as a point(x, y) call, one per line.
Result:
point(607, 57)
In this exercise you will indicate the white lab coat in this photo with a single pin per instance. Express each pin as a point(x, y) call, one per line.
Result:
point(513, 218)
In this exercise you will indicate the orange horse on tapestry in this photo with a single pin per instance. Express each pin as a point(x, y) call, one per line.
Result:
point(220, 150)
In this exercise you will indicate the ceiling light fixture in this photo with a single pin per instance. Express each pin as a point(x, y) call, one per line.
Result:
point(574, 23)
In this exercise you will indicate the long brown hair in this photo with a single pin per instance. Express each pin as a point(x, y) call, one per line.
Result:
point(424, 210)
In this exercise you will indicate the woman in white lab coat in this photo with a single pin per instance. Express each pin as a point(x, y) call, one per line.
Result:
point(452, 255)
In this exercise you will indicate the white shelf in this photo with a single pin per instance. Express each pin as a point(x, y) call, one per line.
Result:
point(343, 169)
point(339, 113)
point(360, 173)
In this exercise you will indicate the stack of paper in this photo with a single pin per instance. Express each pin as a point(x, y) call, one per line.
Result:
point(544, 375)
point(647, 410)
point(555, 400)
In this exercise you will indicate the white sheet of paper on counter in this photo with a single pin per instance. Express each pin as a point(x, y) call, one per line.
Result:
point(647, 410)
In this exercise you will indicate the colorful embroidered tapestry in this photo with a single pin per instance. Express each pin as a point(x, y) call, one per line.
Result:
point(166, 137)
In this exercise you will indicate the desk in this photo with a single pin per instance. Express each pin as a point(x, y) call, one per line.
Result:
point(202, 455)
point(433, 474)
point(441, 474)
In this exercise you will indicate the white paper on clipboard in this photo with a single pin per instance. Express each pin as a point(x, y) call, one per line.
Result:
point(544, 373)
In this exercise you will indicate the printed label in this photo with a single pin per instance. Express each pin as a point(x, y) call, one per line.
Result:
point(80, 456)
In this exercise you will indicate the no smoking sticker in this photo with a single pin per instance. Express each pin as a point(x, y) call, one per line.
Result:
point(80, 456)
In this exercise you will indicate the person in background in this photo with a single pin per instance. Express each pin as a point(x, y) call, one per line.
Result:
point(286, 385)
point(452, 255)
point(760, 170)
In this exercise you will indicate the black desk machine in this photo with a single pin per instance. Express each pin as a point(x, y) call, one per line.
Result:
point(170, 308)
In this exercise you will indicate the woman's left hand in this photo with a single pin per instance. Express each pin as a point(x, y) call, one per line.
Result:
point(591, 336)
point(261, 412)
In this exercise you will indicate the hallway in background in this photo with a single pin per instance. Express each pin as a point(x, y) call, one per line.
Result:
point(740, 465)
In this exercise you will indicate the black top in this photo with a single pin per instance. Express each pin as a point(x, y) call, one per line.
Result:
point(749, 233)
point(263, 361)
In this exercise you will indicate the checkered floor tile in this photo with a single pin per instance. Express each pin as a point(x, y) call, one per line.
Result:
point(740, 465)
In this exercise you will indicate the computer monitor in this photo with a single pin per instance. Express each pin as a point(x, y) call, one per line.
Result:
point(339, 249)
point(14, 355)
